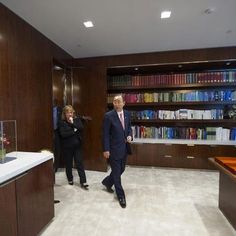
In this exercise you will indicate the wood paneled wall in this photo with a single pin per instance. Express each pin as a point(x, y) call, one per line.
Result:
point(92, 79)
point(26, 59)
point(90, 99)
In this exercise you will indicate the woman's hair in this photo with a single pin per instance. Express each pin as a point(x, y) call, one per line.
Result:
point(67, 108)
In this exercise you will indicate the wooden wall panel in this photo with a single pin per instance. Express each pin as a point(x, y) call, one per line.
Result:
point(89, 98)
point(58, 86)
point(26, 59)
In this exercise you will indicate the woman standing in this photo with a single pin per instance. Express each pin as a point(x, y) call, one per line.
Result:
point(71, 131)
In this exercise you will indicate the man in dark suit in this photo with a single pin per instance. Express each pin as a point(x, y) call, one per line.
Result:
point(117, 135)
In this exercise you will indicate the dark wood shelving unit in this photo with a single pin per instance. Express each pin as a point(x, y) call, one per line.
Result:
point(178, 154)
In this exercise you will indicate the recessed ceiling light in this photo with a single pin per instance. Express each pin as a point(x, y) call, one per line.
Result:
point(228, 63)
point(228, 31)
point(136, 68)
point(165, 14)
point(88, 24)
point(57, 68)
point(209, 11)
point(180, 66)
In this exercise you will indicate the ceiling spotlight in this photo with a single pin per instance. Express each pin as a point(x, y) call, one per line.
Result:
point(228, 63)
point(136, 68)
point(209, 11)
point(88, 24)
point(180, 66)
point(165, 14)
point(57, 68)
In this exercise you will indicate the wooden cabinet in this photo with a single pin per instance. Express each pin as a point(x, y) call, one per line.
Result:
point(8, 220)
point(35, 199)
point(227, 192)
point(27, 202)
point(177, 155)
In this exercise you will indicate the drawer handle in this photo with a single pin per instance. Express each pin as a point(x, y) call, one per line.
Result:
point(190, 157)
point(190, 145)
point(168, 156)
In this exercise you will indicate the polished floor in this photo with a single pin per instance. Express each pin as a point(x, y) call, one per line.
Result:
point(160, 202)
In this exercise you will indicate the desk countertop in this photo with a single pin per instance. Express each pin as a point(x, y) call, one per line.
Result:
point(223, 169)
point(24, 161)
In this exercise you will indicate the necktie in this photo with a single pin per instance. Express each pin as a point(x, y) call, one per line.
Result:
point(122, 120)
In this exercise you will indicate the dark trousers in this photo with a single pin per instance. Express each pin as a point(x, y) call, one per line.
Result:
point(75, 154)
point(117, 168)
point(57, 150)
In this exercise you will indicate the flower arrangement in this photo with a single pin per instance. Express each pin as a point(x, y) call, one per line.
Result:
point(4, 141)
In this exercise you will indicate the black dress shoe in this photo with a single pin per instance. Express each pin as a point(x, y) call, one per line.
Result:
point(56, 201)
point(109, 189)
point(84, 186)
point(71, 183)
point(122, 202)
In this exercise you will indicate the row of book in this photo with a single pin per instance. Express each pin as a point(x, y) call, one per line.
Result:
point(207, 133)
point(214, 95)
point(171, 79)
point(213, 114)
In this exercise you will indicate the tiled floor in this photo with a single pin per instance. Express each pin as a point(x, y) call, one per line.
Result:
point(159, 202)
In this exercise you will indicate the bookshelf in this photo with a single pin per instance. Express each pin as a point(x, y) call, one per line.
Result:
point(178, 111)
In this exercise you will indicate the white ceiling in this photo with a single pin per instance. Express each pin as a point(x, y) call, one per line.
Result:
point(130, 26)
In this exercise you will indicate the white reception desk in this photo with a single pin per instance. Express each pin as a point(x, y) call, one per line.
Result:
point(26, 193)
point(24, 161)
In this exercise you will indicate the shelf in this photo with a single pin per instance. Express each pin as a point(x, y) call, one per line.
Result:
point(188, 123)
point(181, 104)
point(173, 87)
point(189, 142)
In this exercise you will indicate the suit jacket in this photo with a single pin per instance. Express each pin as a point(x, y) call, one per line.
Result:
point(56, 117)
point(71, 134)
point(114, 136)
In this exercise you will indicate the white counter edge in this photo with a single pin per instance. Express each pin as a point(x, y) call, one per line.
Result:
point(24, 162)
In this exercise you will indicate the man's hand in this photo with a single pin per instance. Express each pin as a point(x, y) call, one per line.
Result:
point(106, 154)
point(87, 118)
point(129, 139)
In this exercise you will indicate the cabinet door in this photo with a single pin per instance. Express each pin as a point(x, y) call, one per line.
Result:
point(8, 219)
point(166, 155)
point(35, 199)
point(132, 159)
point(224, 151)
point(194, 157)
point(145, 154)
